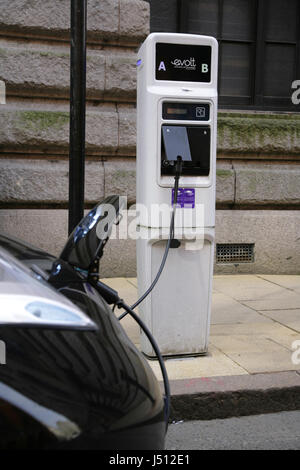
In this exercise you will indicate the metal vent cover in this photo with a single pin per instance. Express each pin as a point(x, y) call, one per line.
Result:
point(235, 253)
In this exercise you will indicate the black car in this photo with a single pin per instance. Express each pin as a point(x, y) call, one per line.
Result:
point(72, 379)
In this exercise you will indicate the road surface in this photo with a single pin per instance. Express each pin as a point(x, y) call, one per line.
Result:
point(267, 432)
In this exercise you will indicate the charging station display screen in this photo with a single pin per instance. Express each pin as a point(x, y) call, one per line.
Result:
point(183, 62)
point(192, 143)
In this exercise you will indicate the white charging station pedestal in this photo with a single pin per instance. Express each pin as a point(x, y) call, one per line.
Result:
point(176, 115)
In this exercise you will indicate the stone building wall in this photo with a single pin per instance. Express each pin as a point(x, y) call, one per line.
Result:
point(258, 169)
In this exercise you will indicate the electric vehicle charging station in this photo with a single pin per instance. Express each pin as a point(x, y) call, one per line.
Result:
point(176, 116)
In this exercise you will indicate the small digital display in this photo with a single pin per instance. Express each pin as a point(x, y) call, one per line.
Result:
point(185, 111)
point(183, 62)
point(179, 111)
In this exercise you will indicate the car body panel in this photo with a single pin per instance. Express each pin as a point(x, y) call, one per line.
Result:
point(73, 388)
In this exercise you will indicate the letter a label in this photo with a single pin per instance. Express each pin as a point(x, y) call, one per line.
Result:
point(162, 66)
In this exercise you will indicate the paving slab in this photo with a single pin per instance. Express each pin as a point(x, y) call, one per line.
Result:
point(247, 287)
point(245, 344)
point(287, 281)
point(215, 363)
point(228, 310)
point(283, 336)
point(265, 328)
point(287, 299)
point(273, 361)
point(289, 318)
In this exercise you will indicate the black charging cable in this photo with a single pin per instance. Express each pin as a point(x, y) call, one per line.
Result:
point(178, 171)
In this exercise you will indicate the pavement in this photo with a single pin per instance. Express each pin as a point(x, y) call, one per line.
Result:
point(253, 360)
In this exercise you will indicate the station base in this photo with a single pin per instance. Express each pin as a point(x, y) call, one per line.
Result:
point(177, 311)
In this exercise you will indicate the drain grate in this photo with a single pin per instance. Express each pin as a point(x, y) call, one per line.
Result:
point(235, 253)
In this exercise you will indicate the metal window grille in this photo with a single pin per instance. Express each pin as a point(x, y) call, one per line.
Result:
point(235, 253)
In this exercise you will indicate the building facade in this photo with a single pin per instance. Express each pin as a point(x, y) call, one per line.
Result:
point(258, 162)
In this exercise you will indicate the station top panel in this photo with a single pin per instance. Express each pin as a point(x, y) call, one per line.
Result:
point(183, 62)
point(175, 60)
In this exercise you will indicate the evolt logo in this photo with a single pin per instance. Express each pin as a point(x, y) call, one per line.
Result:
point(188, 64)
